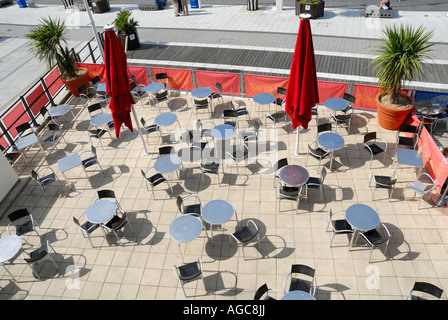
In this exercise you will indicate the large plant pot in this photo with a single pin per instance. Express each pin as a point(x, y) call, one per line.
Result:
point(316, 10)
point(391, 118)
point(133, 40)
point(73, 84)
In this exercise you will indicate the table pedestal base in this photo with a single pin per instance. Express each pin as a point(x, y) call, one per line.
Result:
point(440, 200)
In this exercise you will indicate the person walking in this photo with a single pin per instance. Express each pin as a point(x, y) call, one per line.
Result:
point(185, 7)
point(177, 7)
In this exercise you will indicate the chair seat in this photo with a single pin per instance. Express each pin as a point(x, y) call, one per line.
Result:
point(342, 226)
point(384, 181)
point(319, 153)
point(242, 112)
point(419, 187)
point(89, 162)
point(151, 128)
point(193, 209)
point(373, 236)
point(215, 95)
point(116, 222)
point(89, 227)
point(25, 227)
point(300, 284)
point(314, 182)
point(232, 123)
point(343, 117)
point(244, 234)
point(277, 115)
point(374, 148)
point(189, 271)
point(289, 191)
point(156, 179)
point(53, 138)
point(212, 166)
point(36, 255)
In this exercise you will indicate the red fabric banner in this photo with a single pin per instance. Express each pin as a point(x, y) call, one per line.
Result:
point(95, 69)
point(365, 96)
point(179, 79)
point(230, 82)
point(37, 99)
point(330, 90)
point(12, 116)
point(52, 81)
point(254, 84)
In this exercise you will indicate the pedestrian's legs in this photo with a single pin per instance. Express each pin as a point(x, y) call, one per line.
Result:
point(185, 9)
point(176, 8)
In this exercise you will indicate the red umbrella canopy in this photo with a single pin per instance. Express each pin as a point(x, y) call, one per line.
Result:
point(117, 81)
point(302, 94)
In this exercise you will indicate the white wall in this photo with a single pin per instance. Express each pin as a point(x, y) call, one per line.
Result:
point(8, 177)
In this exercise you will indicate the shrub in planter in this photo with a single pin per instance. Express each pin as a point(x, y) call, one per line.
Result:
point(400, 58)
point(127, 27)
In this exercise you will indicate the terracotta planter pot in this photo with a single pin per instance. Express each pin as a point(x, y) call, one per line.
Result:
point(391, 118)
point(75, 83)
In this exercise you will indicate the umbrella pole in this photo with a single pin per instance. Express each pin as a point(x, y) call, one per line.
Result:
point(296, 152)
point(146, 153)
point(95, 32)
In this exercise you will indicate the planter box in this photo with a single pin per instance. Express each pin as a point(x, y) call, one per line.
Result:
point(316, 10)
point(133, 40)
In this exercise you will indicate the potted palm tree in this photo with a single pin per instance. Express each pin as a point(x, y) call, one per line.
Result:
point(127, 28)
point(46, 44)
point(400, 58)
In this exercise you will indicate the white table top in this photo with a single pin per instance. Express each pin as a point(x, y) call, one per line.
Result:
point(9, 247)
point(101, 119)
point(165, 119)
point(409, 157)
point(101, 211)
point(223, 132)
point(59, 110)
point(298, 295)
point(69, 162)
point(26, 141)
point(154, 87)
point(217, 211)
point(167, 164)
point(294, 175)
point(330, 141)
point(362, 217)
point(201, 92)
point(185, 228)
point(336, 104)
point(264, 98)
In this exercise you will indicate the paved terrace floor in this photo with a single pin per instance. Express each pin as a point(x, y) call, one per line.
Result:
point(141, 266)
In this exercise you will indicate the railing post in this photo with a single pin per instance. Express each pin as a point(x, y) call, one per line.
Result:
point(6, 134)
point(47, 92)
point(91, 52)
point(28, 111)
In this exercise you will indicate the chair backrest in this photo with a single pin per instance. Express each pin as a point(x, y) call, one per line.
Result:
point(302, 269)
point(43, 111)
point(53, 126)
point(219, 86)
point(143, 122)
point(18, 214)
point(323, 174)
point(22, 127)
point(349, 97)
point(281, 163)
point(94, 107)
point(179, 202)
point(95, 80)
point(165, 150)
point(82, 88)
point(369, 136)
point(261, 291)
point(76, 221)
point(93, 150)
point(161, 76)
point(428, 288)
point(106, 194)
point(324, 127)
point(230, 113)
point(281, 91)
point(407, 128)
point(35, 175)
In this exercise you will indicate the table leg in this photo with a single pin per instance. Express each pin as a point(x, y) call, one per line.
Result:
point(8, 272)
point(353, 239)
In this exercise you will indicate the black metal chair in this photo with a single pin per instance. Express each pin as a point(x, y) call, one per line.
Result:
point(11, 156)
point(86, 94)
point(301, 277)
point(96, 134)
point(216, 93)
point(44, 177)
point(91, 158)
point(148, 127)
point(154, 180)
point(317, 183)
point(117, 223)
point(246, 235)
point(371, 145)
point(190, 204)
point(385, 182)
point(86, 227)
point(289, 193)
point(424, 291)
point(278, 165)
point(109, 194)
point(280, 96)
point(407, 136)
point(55, 134)
point(374, 238)
point(317, 153)
point(39, 256)
point(338, 226)
point(230, 117)
point(263, 291)
point(23, 222)
point(188, 272)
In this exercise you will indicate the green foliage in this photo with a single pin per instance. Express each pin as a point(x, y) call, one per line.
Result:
point(66, 62)
point(401, 56)
point(46, 38)
point(124, 23)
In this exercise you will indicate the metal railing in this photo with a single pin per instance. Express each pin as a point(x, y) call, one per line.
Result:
point(42, 93)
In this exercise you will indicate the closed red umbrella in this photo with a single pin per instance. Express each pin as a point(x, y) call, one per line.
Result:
point(302, 94)
point(117, 81)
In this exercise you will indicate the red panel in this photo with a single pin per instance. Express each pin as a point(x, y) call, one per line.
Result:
point(230, 81)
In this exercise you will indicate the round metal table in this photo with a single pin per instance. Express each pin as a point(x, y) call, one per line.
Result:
point(223, 132)
point(101, 119)
point(167, 164)
point(154, 87)
point(10, 246)
point(217, 212)
point(201, 92)
point(60, 110)
point(331, 141)
point(362, 218)
point(298, 295)
point(336, 104)
point(165, 119)
point(101, 211)
point(184, 229)
point(294, 175)
point(264, 98)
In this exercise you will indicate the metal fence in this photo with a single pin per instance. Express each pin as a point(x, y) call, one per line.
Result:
point(41, 94)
